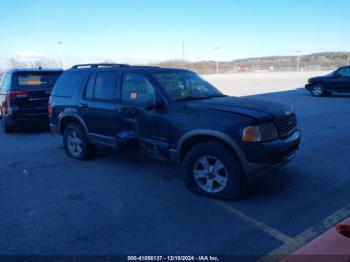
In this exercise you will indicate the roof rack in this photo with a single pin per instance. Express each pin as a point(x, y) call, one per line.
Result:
point(145, 66)
point(98, 65)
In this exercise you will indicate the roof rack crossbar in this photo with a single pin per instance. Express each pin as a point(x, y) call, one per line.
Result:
point(98, 65)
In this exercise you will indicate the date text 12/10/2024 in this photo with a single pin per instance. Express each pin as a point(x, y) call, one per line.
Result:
point(173, 258)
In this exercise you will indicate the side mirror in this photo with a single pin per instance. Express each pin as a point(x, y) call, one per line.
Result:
point(337, 75)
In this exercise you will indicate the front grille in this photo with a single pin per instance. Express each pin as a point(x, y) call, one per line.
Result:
point(286, 124)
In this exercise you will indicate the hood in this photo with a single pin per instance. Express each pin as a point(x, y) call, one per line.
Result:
point(254, 108)
point(320, 78)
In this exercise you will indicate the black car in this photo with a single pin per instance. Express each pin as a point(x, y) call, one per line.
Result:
point(24, 96)
point(337, 81)
point(221, 141)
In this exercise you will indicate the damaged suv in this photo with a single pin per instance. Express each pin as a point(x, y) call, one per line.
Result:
point(221, 141)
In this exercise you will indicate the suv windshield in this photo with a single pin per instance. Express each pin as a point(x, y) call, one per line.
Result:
point(45, 79)
point(186, 86)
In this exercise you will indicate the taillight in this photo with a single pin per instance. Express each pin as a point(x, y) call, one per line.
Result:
point(17, 94)
point(50, 109)
point(13, 94)
point(6, 105)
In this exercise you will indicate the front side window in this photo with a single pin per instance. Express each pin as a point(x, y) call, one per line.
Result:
point(138, 89)
point(181, 85)
point(344, 72)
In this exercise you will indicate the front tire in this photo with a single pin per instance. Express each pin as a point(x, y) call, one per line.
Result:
point(318, 90)
point(76, 143)
point(212, 169)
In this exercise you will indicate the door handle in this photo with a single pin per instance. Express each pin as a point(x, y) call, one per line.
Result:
point(83, 105)
point(126, 110)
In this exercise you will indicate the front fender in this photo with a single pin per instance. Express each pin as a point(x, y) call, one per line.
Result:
point(215, 134)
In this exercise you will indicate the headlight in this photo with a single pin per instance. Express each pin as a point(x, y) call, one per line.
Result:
point(260, 133)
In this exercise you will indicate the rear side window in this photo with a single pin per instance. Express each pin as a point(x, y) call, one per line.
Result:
point(6, 83)
point(66, 84)
point(89, 92)
point(103, 86)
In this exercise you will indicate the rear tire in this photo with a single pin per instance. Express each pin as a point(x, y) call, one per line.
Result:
point(7, 128)
point(318, 90)
point(76, 143)
point(213, 170)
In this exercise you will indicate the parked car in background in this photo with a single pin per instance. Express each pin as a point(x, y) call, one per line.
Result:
point(221, 141)
point(337, 81)
point(24, 96)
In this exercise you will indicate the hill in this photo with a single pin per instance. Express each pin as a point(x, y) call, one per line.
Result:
point(316, 61)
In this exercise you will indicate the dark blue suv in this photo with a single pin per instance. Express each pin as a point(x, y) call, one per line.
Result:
point(221, 141)
point(337, 81)
point(24, 96)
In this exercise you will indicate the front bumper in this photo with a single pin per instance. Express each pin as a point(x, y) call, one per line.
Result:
point(308, 86)
point(262, 157)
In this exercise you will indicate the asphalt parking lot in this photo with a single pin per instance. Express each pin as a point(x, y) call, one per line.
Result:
point(132, 204)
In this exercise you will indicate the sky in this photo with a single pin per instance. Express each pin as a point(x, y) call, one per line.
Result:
point(155, 30)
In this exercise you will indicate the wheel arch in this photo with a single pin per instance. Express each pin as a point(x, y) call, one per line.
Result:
point(319, 82)
point(192, 138)
point(68, 117)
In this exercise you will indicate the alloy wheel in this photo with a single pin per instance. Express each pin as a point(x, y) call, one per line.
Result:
point(317, 90)
point(210, 174)
point(74, 143)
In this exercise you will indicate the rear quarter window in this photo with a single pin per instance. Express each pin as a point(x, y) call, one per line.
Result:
point(1, 81)
point(67, 84)
point(1, 78)
point(6, 83)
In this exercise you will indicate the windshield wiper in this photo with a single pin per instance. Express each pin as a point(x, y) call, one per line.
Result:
point(216, 95)
point(191, 98)
point(199, 97)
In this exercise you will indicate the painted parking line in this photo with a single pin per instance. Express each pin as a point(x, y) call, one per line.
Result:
point(252, 221)
point(309, 234)
point(289, 244)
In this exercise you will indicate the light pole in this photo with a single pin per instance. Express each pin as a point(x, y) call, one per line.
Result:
point(217, 59)
point(298, 59)
point(60, 50)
